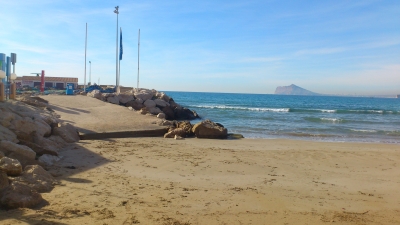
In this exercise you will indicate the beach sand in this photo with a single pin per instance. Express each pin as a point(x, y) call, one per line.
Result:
point(194, 181)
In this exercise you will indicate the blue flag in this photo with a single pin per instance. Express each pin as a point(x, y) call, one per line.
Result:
point(120, 45)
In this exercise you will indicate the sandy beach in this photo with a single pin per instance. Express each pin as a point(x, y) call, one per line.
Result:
point(194, 181)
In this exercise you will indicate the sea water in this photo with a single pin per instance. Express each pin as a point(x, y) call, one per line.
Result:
point(325, 118)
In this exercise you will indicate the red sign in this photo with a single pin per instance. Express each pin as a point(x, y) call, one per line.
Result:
point(42, 82)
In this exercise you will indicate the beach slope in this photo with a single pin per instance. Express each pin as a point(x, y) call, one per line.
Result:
point(193, 181)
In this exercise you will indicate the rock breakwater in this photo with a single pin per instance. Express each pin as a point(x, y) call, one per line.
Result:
point(148, 101)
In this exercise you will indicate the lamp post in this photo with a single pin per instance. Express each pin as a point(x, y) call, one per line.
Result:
point(90, 72)
point(116, 54)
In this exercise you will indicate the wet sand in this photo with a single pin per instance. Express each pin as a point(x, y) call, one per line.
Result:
point(193, 181)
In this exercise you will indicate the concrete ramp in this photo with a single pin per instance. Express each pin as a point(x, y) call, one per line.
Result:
point(96, 119)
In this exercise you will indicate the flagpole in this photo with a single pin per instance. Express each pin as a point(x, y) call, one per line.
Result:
point(138, 60)
point(120, 52)
point(84, 80)
point(116, 54)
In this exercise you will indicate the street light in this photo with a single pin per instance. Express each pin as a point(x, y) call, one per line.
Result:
point(116, 54)
point(90, 72)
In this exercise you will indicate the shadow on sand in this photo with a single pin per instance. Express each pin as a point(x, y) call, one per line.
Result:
point(68, 166)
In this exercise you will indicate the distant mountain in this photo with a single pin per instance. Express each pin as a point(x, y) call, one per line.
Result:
point(293, 90)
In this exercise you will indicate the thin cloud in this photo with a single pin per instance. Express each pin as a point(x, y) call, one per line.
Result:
point(320, 51)
point(263, 59)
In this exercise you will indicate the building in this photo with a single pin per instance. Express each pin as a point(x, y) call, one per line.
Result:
point(54, 82)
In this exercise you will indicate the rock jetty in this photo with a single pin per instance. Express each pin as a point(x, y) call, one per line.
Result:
point(148, 101)
point(152, 102)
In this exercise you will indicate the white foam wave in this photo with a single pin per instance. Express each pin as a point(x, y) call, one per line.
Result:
point(365, 131)
point(329, 110)
point(334, 120)
point(376, 111)
point(368, 111)
point(242, 108)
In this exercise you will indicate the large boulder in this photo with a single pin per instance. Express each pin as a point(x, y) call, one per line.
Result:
point(154, 110)
point(106, 95)
point(144, 111)
point(51, 120)
point(19, 195)
point(4, 182)
point(165, 97)
point(161, 116)
point(27, 126)
point(209, 129)
point(67, 132)
point(23, 159)
point(173, 104)
point(178, 131)
point(58, 142)
point(48, 160)
point(124, 98)
point(22, 136)
point(10, 147)
point(49, 143)
point(37, 178)
point(187, 126)
point(161, 103)
point(182, 113)
point(11, 166)
point(113, 100)
point(136, 104)
point(149, 103)
point(169, 113)
point(6, 118)
point(95, 94)
point(40, 149)
point(6, 134)
point(144, 96)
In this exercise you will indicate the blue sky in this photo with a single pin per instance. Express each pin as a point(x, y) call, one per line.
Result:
point(253, 46)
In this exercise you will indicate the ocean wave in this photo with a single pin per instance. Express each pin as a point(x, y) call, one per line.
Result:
point(393, 133)
point(370, 111)
point(345, 111)
point(298, 110)
point(241, 108)
point(329, 110)
point(334, 120)
point(313, 110)
point(324, 120)
point(309, 135)
point(364, 131)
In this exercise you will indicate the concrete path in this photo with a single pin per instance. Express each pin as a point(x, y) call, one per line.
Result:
point(90, 115)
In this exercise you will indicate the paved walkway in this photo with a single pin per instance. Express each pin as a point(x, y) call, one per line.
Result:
point(90, 115)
